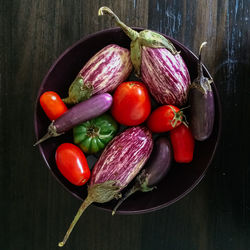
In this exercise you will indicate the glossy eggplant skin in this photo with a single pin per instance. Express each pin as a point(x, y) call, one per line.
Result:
point(118, 164)
point(157, 62)
point(79, 113)
point(159, 163)
point(202, 113)
point(201, 100)
point(84, 111)
point(154, 171)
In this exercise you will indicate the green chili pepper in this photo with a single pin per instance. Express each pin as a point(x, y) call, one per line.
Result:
point(93, 135)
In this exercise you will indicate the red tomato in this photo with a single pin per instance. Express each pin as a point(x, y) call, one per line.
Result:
point(52, 105)
point(131, 103)
point(183, 144)
point(164, 118)
point(72, 163)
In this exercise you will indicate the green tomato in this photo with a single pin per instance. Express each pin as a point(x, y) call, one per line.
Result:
point(93, 135)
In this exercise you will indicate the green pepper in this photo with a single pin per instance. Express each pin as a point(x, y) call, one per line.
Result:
point(93, 135)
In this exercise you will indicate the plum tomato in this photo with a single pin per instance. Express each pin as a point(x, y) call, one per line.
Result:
point(164, 118)
point(72, 163)
point(183, 144)
point(131, 103)
point(52, 105)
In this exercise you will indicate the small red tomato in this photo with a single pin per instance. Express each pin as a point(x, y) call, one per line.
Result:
point(52, 105)
point(183, 144)
point(164, 118)
point(131, 103)
point(72, 163)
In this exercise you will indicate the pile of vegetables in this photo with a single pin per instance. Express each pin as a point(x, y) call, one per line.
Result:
point(101, 99)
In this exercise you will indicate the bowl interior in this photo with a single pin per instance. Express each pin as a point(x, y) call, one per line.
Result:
point(181, 179)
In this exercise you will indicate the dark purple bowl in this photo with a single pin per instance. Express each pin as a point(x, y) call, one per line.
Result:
point(180, 180)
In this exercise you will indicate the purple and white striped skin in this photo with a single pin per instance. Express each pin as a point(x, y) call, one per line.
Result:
point(124, 157)
point(102, 73)
point(166, 75)
point(120, 162)
point(157, 63)
point(107, 69)
point(154, 171)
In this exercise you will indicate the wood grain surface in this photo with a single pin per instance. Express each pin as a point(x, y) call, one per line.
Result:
point(35, 209)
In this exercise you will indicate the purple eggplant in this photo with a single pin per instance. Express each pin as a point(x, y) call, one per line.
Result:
point(157, 63)
point(118, 164)
point(201, 99)
point(79, 113)
point(154, 171)
point(102, 73)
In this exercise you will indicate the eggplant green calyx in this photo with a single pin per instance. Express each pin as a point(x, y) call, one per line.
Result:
point(202, 83)
point(145, 38)
point(141, 184)
point(78, 91)
point(142, 180)
point(51, 133)
point(101, 193)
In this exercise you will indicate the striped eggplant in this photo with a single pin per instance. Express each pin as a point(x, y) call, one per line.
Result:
point(154, 171)
point(157, 62)
point(118, 164)
point(201, 99)
point(102, 73)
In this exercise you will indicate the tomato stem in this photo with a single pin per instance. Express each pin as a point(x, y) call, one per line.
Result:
point(177, 116)
point(189, 106)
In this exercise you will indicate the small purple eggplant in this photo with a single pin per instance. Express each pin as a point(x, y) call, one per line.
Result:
point(155, 170)
point(201, 100)
point(79, 113)
point(118, 164)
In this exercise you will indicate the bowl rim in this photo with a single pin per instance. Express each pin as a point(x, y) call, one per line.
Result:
point(98, 206)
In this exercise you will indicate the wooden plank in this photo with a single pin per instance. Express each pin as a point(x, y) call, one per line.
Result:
point(36, 210)
point(223, 203)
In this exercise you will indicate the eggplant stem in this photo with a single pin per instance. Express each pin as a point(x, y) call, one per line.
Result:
point(44, 138)
point(83, 207)
point(132, 34)
point(202, 45)
point(200, 70)
point(68, 100)
point(51, 133)
point(126, 195)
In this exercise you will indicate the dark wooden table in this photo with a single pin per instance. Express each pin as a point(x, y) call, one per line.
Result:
point(35, 209)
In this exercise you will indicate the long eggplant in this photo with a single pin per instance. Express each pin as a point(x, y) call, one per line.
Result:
point(118, 164)
point(79, 113)
point(201, 99)
point(157, 62)
point(154, 171)
point(102, 73)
